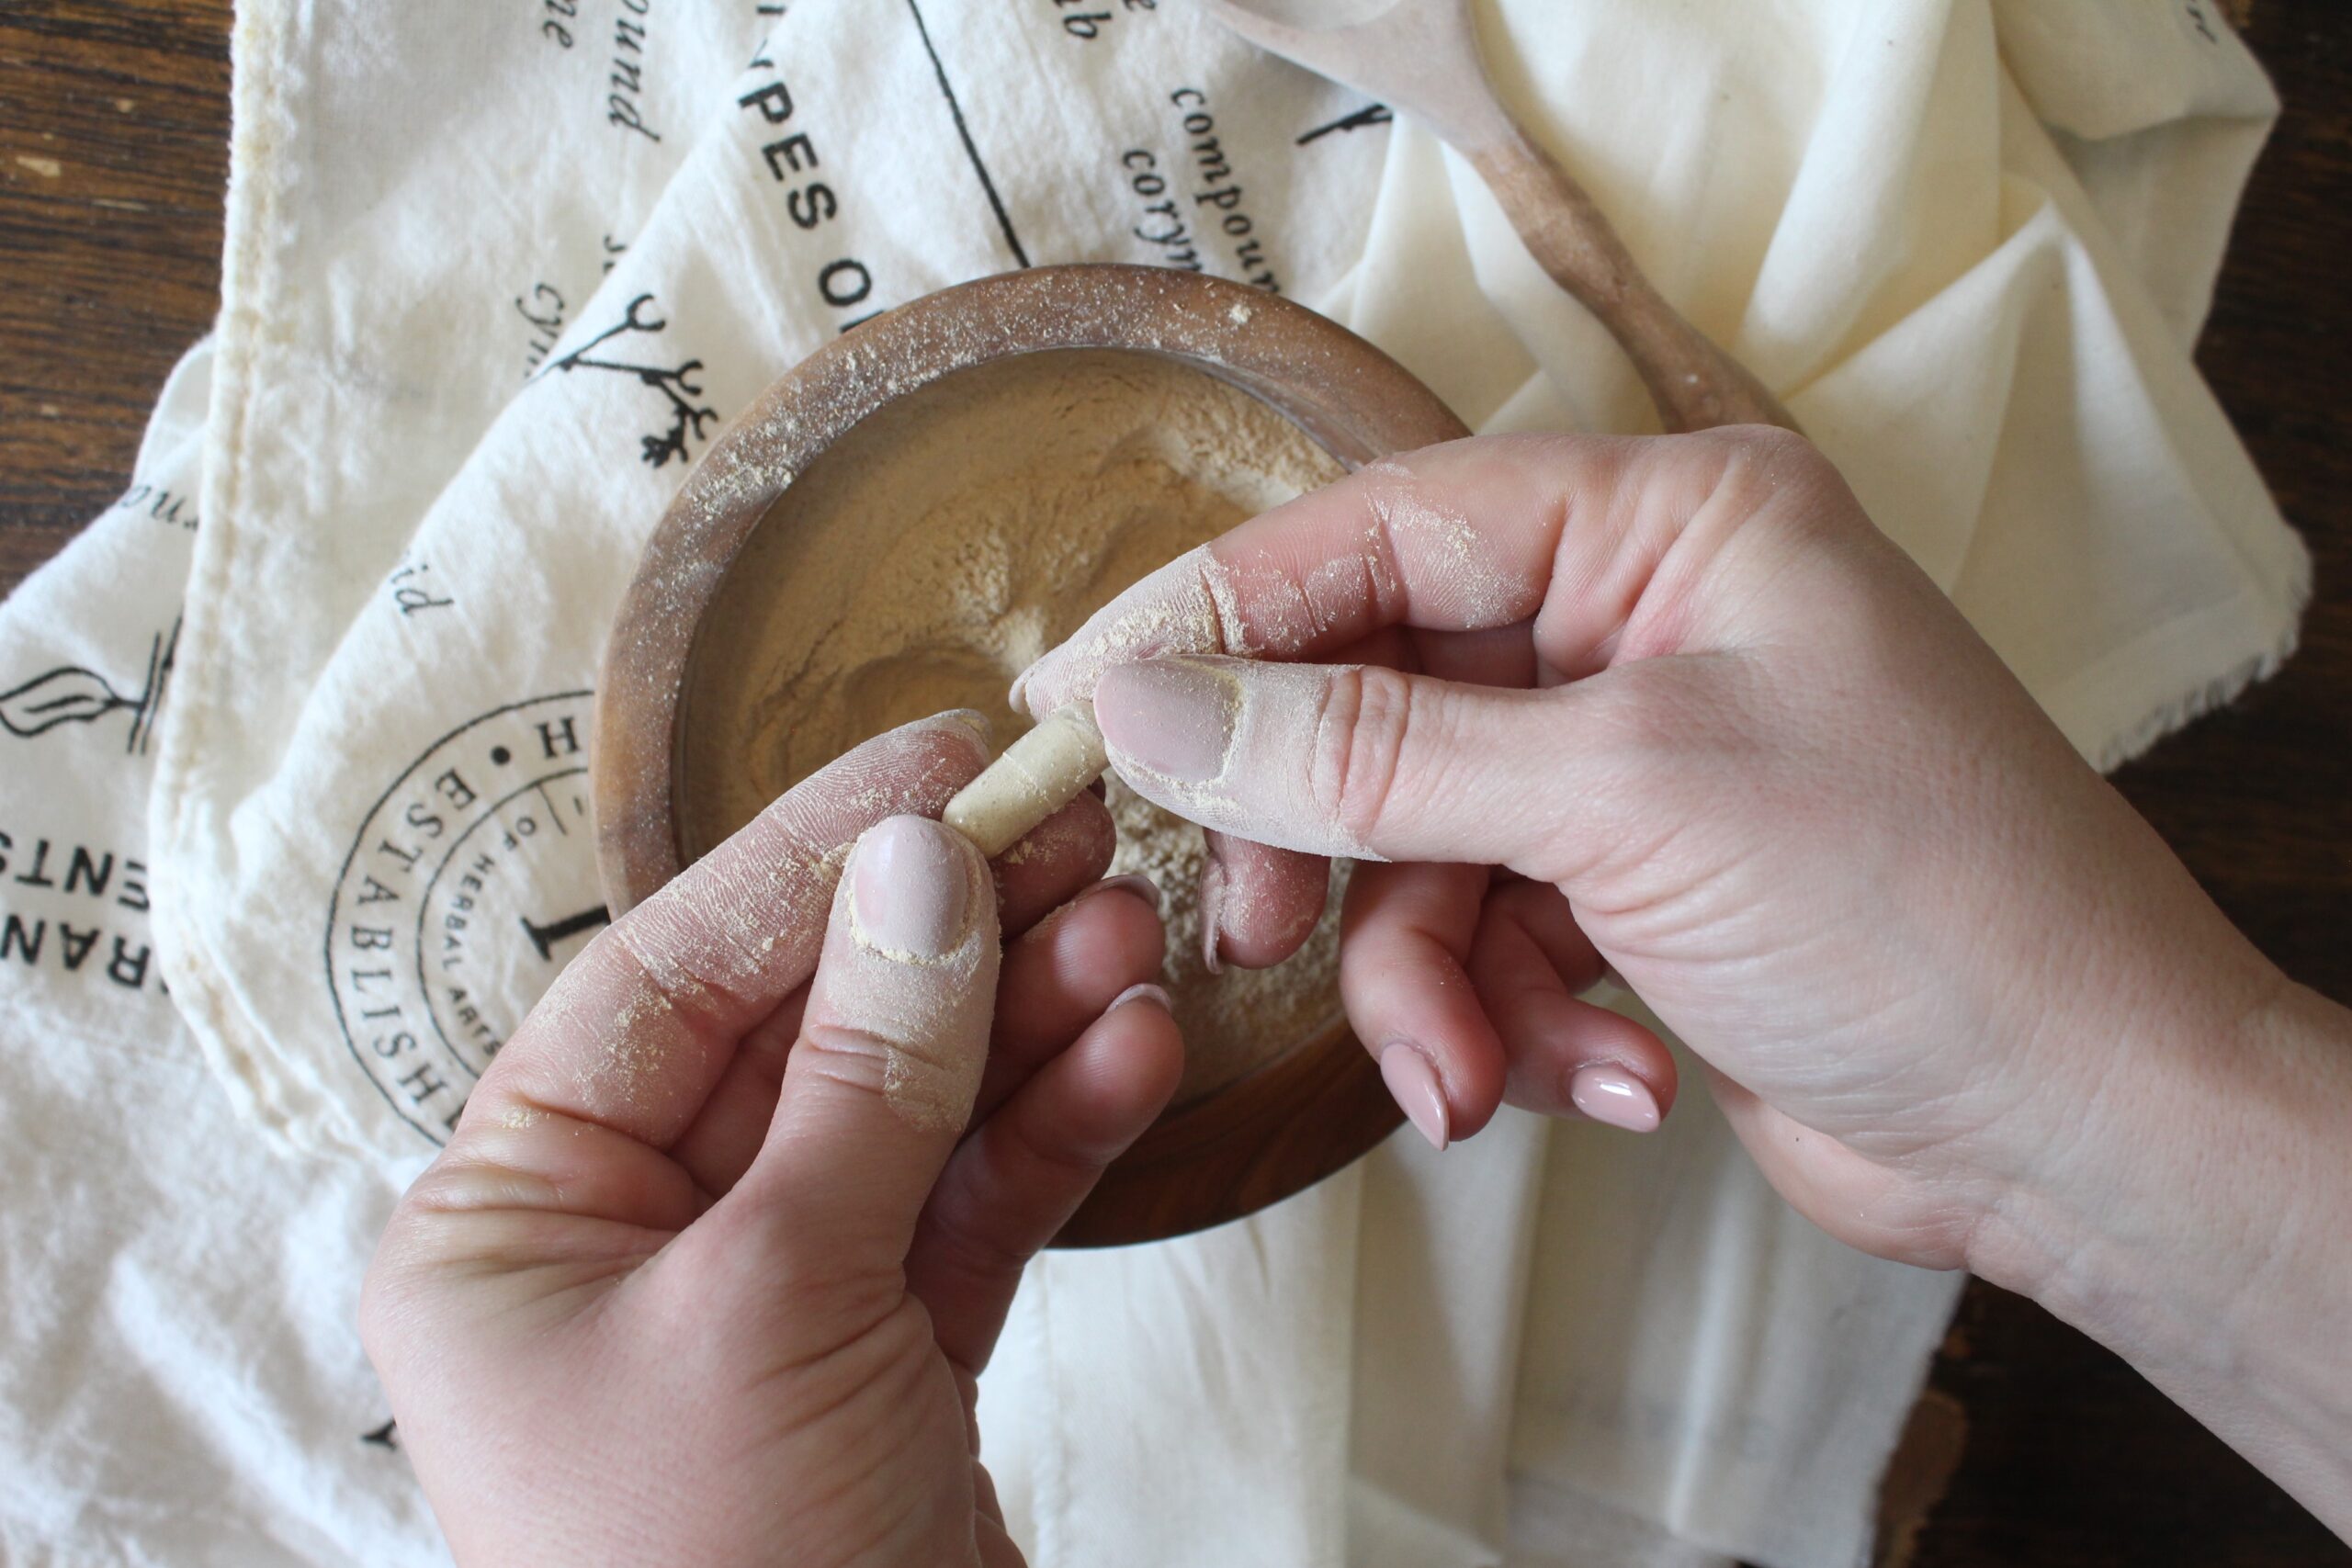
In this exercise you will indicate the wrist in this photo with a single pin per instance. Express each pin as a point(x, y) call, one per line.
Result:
point(2182, 1157)
point(2153, 1049)
point(2196, 1223)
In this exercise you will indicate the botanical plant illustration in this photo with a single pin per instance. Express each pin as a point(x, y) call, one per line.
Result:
point(688, 414)
point(73, 694)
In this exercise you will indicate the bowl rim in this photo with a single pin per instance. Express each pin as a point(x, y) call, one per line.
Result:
point(1278, 1128)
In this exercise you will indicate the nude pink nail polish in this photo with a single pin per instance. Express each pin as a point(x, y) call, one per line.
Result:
point(1614, 1096)
point(1412, 1082)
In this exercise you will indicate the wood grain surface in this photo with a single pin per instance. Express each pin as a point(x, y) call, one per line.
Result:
point(2034, 1449)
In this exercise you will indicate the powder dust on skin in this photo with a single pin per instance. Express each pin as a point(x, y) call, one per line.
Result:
point(943, 545)
point(714, 934)
point(931, 1007)
point(1259, 605)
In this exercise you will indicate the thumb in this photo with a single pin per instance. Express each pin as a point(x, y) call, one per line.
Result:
point(881, 1080)
point(1342, 760)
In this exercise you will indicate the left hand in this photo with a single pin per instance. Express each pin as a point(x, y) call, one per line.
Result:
point(711, 1265)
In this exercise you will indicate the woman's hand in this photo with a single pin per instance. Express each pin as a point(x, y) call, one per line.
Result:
point(1675, 706)
point(709, 1269)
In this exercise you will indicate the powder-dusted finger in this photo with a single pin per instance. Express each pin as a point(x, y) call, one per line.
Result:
point(1061, 975)
point(880, 1082)
point(1461, 537)
point(1351, 760)
point(1065, 852)
point(1567, 1056)
point(1405, 936)
point(637, 1031)
point(1025, 1169)
point(1259, 904)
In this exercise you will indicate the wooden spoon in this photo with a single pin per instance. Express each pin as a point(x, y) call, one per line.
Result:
point(1421, 56)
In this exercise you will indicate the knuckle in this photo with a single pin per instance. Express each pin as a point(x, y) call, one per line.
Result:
point(980, 1265)
point(856, 1059)
point(664, 948)
point(1052, 1158)
point(922, 1076)
point(1765, 444)
point(967, 1245)
point(1763, 460)
point(980, 1230)
point(1362, 741)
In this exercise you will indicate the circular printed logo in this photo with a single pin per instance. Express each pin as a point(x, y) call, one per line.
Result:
point(471, 883)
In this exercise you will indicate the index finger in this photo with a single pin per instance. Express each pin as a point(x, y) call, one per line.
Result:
point(633, 1035)
point(1469, 535)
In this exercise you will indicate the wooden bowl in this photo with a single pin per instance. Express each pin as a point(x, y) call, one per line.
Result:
point(1278, 1128)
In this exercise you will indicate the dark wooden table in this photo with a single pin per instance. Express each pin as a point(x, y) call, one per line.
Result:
point(2034, 1447)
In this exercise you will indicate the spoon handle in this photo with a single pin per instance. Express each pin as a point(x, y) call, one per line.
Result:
point(1694, 383)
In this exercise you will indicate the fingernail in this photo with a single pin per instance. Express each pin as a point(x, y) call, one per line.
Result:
point(1017, 699)
point(1412, 1083)
point(1614, 1096)
point(1146, 992)
point(1208, 900)
point(1174, 716)
point(1142, 888)
point(972, 719)
point(909, 889)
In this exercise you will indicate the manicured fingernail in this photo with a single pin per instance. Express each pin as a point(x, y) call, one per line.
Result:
point(1614, 1096)
point(1146, 992)
point(1142, 888)
point(1412, 1083)
point(909, 889)
point(1208, 900)
point(1172, 716)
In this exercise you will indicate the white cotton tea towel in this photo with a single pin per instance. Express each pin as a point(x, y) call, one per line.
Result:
point(494, 278)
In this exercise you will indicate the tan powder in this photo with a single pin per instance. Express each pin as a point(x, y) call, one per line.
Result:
point(946, 542)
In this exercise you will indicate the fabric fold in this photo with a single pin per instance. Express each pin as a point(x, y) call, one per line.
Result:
point(495, 278)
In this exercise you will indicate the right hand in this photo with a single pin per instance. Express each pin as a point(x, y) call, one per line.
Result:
point(1675, 706)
